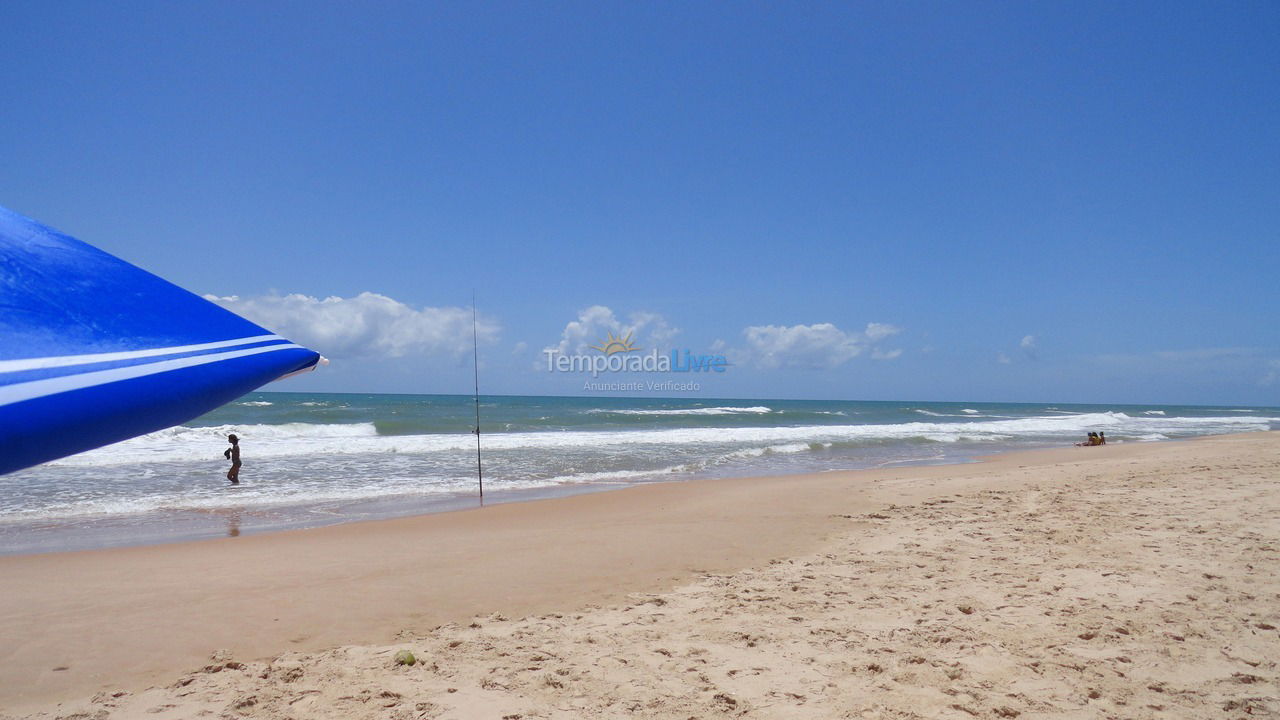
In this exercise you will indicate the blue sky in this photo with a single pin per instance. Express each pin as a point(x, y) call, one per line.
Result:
point(964, 201)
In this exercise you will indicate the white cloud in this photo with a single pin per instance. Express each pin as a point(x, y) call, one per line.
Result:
point(822, 345)
point(368, 324)
point(1028, 346)
point(648, 330)
point(876, 332)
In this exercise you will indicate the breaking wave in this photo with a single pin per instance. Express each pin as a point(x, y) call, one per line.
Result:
point(181, 444)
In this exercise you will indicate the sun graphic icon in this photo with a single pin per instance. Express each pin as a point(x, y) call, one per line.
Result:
point(616, 345)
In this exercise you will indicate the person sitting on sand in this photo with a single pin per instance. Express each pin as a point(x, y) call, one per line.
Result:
point(233, 454)
point(1102, 438)
point(1093, 440)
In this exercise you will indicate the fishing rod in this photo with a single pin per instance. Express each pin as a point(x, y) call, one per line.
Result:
point(475, 342)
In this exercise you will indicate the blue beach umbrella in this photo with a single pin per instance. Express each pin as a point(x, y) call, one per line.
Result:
point(94, 350)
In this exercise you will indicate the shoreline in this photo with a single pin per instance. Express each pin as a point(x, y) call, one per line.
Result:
point(128, 617)
point(84, 534)
point(185, 525)
point(313, 460)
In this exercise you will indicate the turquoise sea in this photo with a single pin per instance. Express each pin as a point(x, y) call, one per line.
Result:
point(314, 459)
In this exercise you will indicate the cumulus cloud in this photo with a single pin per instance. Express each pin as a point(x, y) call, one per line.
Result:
point(822, 345)
point(1028, 346)
point(876, 332)
point(647, 330)
point(368, 324)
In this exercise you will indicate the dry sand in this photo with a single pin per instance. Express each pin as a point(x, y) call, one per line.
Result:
point(1126, 581)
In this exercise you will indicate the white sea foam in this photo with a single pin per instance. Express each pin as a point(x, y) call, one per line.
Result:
point(1153, 412)
point(184, 444)
point(966, 413)
point(609, 476)
point(221, 498)
point(753, 452)
point(181, 443)
point(969, 411)
point(303, 464)
point(246, 496)
point(255, 403)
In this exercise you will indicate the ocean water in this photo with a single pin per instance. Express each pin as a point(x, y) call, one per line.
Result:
point(315, 459)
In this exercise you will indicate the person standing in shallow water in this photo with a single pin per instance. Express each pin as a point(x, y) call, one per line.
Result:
point(233, 454)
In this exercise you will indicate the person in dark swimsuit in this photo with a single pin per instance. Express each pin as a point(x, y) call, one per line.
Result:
point(233, 454)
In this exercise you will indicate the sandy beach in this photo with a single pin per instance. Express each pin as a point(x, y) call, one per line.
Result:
point(1135, 580)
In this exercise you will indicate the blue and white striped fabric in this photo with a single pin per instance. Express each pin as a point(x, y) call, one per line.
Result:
point(94, 350)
